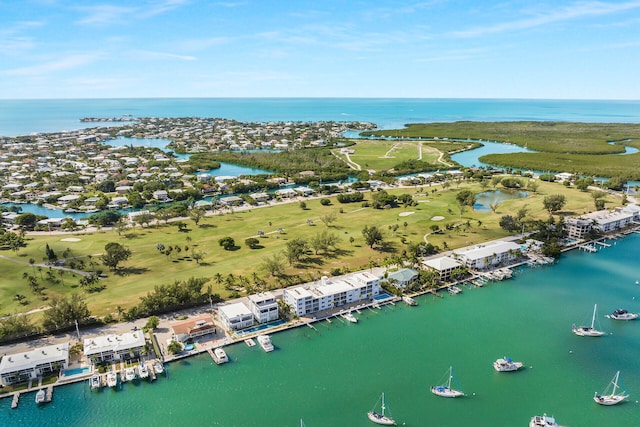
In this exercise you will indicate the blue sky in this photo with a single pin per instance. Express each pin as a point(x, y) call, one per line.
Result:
point(322, 48)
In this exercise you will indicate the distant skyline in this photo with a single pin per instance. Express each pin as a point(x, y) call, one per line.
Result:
point(371, 49)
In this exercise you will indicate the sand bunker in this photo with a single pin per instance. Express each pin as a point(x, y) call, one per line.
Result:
point(70, 239)
point(437, 218)
point(405, 213)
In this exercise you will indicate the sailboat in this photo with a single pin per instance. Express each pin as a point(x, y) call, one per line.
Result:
point(588, 331)
point(613, 398)
point(381, 418)
point(445, 390)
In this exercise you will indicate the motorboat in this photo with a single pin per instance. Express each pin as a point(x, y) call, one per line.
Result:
point(112, 379)
point(588, 331)
point(611, 396)
point(349, 317)
point(95, 382)
point(158, 368)
point(445, 389)
point(622, 314)
point(381, 417)
point(543, 421)
point(409, 301)
point(265, 343)
point(454, 290)
point(505, 364)
point(220, 356)
point(130, 373)
point(144, 371)
point(41, 396)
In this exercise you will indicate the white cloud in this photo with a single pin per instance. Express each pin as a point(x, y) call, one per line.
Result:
point(70, 62)
point(574, 11)
point(105, 14)
point(147, 54)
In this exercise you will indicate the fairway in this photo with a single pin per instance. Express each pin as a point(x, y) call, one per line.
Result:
point(236, 272)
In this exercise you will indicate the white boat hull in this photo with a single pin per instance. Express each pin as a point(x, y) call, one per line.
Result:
point(543, 421)
point(220, 356)
point(502, 365)
point(609, 400)
point(586, 331)
point(446, 392)
point(41, 396)
point(380, 419)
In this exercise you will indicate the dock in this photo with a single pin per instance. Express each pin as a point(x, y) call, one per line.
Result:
point(16, 399)
point(213, 356)
point(49, 394)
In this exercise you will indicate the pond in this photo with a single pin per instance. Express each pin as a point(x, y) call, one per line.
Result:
point(484, 200)
point(225, 169)
point(470, 158)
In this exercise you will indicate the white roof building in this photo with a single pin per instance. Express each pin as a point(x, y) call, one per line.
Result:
point(443, 265)
point(235, 316)
point(605, 221)
point(488, 255)
point(108, 348)
point(20, 367)
point(331, 293)
point(264, 307)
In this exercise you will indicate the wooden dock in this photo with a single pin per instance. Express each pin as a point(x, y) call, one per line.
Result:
point(16, 399)
point(49, 394)
point(213, 356)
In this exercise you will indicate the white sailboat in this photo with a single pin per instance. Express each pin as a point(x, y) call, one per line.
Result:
point(380, 417)
point(445, 389)
point(613, 398)
point(588, 331)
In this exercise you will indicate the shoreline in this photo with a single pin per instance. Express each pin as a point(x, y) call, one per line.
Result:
point(231, 339)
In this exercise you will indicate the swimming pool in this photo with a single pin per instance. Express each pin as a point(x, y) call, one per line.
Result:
point(189, 347)
point(382, 296)
point(76, 371)
point(261, 327)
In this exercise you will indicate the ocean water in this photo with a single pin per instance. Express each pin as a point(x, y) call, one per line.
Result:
point(22, 117)
point(334, 375)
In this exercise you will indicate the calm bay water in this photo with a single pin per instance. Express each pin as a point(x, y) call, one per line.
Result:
point(333, 376)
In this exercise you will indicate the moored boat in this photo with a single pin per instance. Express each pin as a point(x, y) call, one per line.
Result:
point(622, 314)
point(445, 389)
point(409, 301)
point(614, 397)
point(95, 382)
point(543, 421)
point(265, 343)
point(454, 290)
point(41, 395)
point(505, 364)
point(130, 373)
point(112, 379)
point(144, 370)
point(349, 317)
point(220, 356)
point(157, 367)
point(381, 417)
point(588, 331)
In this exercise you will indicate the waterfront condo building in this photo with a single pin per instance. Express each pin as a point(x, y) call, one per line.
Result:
point(331, 293)
point(444, 266)
point(605, 221)
point(264, 307)
point(114, 347)
point(20, 367)
point(488, 255)
point(235, 316)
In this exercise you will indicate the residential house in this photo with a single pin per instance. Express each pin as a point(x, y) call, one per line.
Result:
point(235, 316)
point(192, 328)
point(264, 307)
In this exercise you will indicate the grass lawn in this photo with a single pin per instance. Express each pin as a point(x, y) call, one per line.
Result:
point(148, 267)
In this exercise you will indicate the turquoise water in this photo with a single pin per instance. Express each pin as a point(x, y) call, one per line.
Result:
point(21, 117)
point(333, 376)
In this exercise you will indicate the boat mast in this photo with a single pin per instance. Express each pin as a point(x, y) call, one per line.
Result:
point(593, 319)
point(383, 404)
point(450, 376)
point(615, 384)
